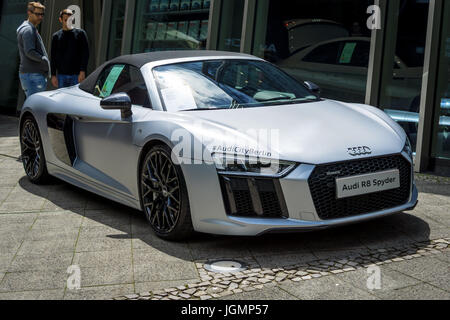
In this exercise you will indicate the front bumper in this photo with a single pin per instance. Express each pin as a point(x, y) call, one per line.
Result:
point(209, 213)
point(261, 226)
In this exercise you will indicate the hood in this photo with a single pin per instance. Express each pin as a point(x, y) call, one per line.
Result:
point(315, 133)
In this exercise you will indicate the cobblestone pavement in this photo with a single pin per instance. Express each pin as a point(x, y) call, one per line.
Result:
point(46, 229)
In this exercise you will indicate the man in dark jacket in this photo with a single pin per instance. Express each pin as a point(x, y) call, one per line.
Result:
point(70, 53)
point(34, 63)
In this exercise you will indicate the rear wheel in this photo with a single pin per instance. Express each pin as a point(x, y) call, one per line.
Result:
point(164, 195)
point(32, 151)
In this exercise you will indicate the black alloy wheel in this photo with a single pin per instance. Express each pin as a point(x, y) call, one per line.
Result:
point(33, 158)
point(164, 195)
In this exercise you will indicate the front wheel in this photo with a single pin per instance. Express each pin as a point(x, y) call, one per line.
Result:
point(32, 151)
point(164, 195)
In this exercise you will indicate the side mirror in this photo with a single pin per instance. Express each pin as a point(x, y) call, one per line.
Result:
point(311, 86)
point(118, 101)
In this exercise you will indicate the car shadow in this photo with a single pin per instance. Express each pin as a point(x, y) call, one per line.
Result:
point(402, 231)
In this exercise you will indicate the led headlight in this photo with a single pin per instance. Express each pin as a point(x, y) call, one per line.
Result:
point(408, 148)
point(242, 165)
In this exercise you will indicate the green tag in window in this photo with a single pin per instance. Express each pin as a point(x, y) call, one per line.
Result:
point(347, 52)
point(111, 80)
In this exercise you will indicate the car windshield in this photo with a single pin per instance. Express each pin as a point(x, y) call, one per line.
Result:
point(227, 84)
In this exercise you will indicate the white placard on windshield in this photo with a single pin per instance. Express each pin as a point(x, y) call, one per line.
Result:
point(179, 98)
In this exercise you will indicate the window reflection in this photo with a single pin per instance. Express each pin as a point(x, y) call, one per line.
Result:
point(326, 42)
point(116, 30)
point(401, 86)
point(441, 141)
point(230, 28)
point(170, 25)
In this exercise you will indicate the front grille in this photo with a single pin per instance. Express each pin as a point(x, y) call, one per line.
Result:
point(324, 193)
point(253, 197)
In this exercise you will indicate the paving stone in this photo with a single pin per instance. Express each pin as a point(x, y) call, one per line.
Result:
point(41, 247)
point(260, 295)
point(200, 294)
point(34, 280)
point(99, 292)
point(264, 280)
point(103, 258)
point(55, 262)
point(326, 288)
point(155, 286)
point(107, 275)
point(57, 294)
point(390, 280)
point(430, 270)
point(145, 294)
point(421, 291)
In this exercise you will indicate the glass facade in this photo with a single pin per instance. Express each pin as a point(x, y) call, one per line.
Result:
point(116, 29)
point(402, 82)
point(326, 42)
point(230, 27)
point(170, 25)
point(441, 132)
point(12, 14)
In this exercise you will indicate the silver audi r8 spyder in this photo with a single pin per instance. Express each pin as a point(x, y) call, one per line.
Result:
point(219, 143)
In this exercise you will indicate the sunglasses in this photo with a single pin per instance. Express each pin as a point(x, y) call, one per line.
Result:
point(38, 14)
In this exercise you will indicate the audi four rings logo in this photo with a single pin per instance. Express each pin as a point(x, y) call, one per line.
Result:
point(359, 151)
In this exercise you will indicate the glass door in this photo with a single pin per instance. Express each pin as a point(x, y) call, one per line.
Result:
point(116, 29)
point(323, 41)
point(441, 132)
point(401, 84)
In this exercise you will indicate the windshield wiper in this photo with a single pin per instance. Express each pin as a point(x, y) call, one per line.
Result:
point(203, 109)
point(276, 99)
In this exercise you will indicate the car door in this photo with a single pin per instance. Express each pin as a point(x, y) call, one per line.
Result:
point(104, 140)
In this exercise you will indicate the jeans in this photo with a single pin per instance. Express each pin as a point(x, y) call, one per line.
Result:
point(33, 83)
point(65, 80)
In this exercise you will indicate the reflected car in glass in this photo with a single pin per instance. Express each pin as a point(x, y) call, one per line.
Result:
point(339, 67)
point(220, 143)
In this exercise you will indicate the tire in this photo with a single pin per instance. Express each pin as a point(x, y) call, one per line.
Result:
point(32, 152)
point(164, 196)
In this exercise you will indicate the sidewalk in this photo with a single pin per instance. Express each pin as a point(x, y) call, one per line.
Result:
point(46, 229)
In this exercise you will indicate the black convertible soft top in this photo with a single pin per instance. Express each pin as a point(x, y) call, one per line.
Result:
point(141, 59)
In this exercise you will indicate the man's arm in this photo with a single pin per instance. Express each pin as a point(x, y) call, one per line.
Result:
point(29, 45)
